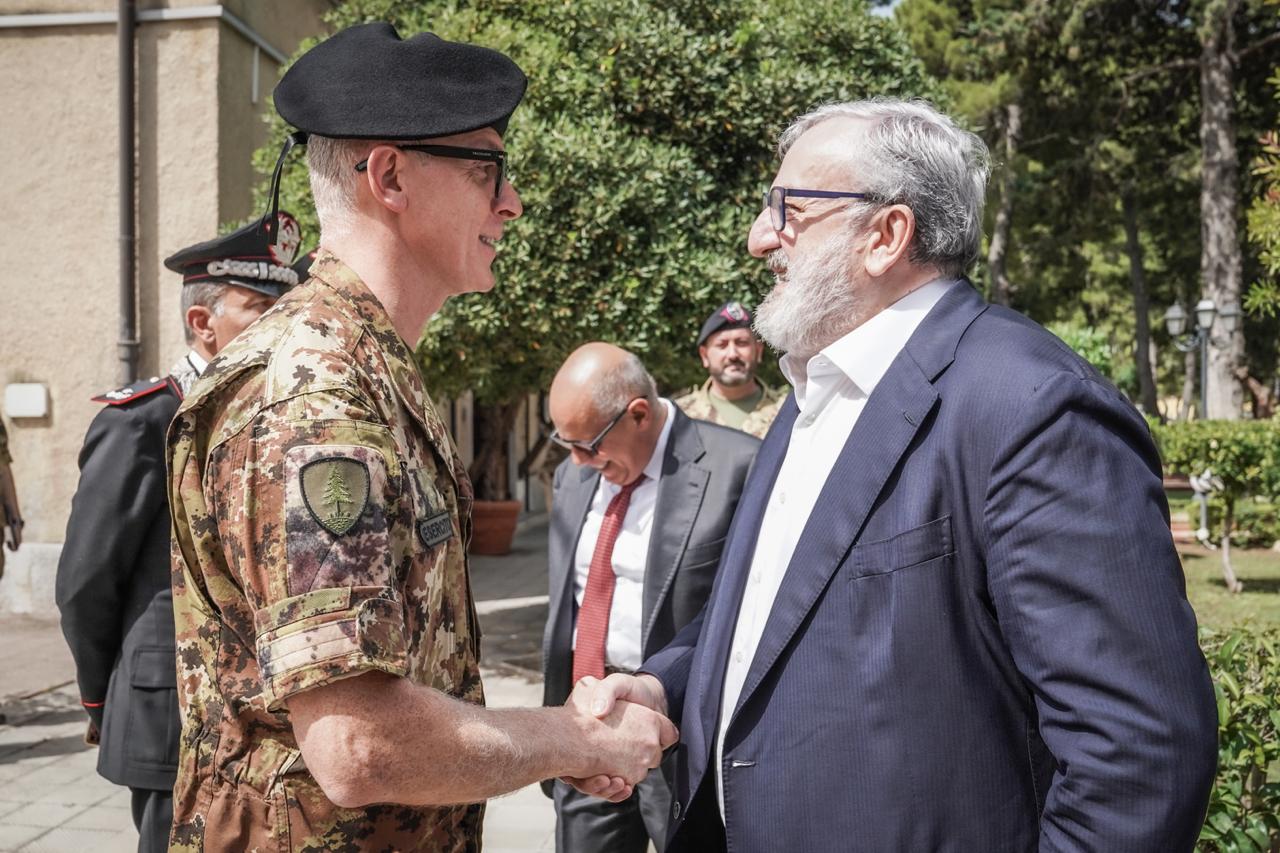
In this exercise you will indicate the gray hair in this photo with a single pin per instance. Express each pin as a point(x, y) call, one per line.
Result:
point(208, 294)
point(912, 154)
point(619, 387)
point(331, 166)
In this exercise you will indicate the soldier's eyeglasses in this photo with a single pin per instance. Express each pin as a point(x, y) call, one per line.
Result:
point(454, 152)
point(775, 199)
point(592, 447)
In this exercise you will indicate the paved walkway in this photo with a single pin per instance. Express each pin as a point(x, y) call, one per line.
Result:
point(51, 798)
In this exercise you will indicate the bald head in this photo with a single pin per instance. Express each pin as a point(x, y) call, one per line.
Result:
point(597, 383)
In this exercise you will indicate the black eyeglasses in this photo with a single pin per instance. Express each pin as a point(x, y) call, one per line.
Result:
point(775, 199)
point(592, 447)
point(454, 152)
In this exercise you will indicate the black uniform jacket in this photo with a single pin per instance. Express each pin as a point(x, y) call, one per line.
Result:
point(113, 587)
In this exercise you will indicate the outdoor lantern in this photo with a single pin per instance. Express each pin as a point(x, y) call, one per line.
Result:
point(1230, 315)
point(1205, 310)
point(1175, 320)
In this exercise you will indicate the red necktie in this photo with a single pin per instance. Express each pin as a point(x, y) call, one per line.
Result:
point(597, 599)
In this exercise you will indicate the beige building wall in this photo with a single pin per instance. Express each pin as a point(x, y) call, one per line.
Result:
point(199, 118)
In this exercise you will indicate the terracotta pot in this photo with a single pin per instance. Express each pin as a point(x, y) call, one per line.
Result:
point(493, 526)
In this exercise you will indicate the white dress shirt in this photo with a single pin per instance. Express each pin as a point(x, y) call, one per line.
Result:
point(630, 554)
point(831, 391)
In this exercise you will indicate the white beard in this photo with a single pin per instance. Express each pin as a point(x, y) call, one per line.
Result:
point(815, 301)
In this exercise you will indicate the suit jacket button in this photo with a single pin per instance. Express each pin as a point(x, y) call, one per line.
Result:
point(675, 809)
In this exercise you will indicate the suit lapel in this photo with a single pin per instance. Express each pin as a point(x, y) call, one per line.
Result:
point(706, 681)
point(884, 431)
point(680, 492)
point(577, 501)
point(883, 434)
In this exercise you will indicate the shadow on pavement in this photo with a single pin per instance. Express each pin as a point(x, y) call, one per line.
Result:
point(64, 745)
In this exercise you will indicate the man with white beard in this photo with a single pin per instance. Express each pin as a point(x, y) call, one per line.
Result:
point(949, 615)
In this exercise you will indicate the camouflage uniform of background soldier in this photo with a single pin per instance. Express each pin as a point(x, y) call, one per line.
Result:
point(731, 353)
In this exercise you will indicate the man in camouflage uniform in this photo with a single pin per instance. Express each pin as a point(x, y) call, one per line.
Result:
point(10, 515)
point(328, 648)
point(732, 394)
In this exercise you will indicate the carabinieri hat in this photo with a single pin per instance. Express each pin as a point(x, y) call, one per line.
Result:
point(258, 256)
point(731, 315)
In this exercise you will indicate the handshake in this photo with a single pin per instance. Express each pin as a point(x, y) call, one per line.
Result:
point(624, 729)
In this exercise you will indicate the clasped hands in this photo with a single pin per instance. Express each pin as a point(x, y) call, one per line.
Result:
point(625, 718)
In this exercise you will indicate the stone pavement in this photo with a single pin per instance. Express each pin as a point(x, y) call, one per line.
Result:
point(51, 798)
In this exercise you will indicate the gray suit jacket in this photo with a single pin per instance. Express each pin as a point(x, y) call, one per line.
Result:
point(703, 471)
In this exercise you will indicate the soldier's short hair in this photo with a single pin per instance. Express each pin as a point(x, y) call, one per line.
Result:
point(331, 167)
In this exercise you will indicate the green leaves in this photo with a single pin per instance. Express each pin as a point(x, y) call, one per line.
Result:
point(1244, 808)
point(640, 152)
point(1244, 454)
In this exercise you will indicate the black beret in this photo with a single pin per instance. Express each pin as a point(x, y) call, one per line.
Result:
point(367, 83)
point(257, 256)
point(731, 315)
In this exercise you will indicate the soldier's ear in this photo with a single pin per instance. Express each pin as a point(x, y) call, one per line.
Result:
point(198, 317)
point(383, 176)
point(702, 353)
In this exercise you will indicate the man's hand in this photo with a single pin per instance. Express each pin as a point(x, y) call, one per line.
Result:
point(10, 515)
point(602, 698)
point(13, 533)
point(627, 740)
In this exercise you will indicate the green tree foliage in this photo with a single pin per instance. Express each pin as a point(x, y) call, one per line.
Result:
point(1244, 809)
point(1243, 455)
point(640, 153)
point(1105, 213)
point(1264, 216)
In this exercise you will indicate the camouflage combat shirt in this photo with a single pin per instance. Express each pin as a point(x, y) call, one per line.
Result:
point(696, 403)
point(320, 519)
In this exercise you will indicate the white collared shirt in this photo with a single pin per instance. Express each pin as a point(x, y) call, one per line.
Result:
point(831, 391)
point(623, 649)
point(197, 361)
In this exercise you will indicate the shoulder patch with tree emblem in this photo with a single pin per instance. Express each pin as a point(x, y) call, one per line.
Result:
point(336, 491)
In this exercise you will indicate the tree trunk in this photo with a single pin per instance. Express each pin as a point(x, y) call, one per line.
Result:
point(1262, 398)
point(1188, 385)
point(1229, 573)
point(1141, 307)
point(1220, 260)
point(998, 250)
point(494, 422)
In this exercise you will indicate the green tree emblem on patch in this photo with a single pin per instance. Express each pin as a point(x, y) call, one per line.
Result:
point(336, 492)
point(336, 495)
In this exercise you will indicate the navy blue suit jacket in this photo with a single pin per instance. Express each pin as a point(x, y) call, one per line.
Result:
point(982, 642)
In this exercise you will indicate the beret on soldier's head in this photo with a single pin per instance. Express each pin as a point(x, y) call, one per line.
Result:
point(258, 256)
point(731, 315)
point(367, 83)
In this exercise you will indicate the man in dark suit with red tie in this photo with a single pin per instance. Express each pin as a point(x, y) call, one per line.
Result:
point(638, 522)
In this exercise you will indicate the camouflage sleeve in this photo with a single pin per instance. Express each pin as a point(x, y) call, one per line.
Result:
point(315, 524)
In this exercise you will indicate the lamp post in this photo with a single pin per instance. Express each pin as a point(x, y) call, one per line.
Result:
point(1206, 312)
